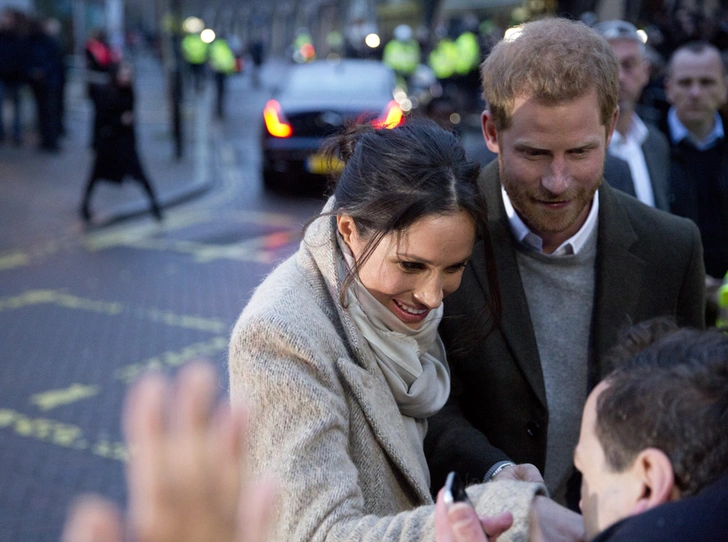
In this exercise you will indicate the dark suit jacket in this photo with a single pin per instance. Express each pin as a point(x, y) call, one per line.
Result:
point(649, 264)
point(656, 149)
point(702, 197)
point(699, 518)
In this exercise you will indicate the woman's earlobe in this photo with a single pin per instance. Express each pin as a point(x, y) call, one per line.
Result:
point(347, 228)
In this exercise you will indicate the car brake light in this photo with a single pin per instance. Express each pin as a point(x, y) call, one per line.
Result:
point(307, 51)
point(275, 121)
point(393, 117)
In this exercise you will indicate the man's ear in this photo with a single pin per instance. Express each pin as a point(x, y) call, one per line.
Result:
point(347, 228)
point(612, 124)
point(654, 469)
point(490, 133)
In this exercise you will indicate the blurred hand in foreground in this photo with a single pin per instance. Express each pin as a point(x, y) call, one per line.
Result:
point(184, 474)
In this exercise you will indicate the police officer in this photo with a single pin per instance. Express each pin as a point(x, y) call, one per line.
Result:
point(222, 62)
point(194, 52)
point(402, 54)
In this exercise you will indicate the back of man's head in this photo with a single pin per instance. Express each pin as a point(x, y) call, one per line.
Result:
point(551, 61)
point(672, 396)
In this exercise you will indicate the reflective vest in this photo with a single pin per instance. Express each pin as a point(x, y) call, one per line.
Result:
point(402, 56)
point(222, 59)
point(194, 50)
point(468, 55)
point(443, 59)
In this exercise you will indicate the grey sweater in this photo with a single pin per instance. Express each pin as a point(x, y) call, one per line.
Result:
point(560, 294)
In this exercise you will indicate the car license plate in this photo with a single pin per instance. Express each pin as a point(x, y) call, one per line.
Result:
point(323, 165)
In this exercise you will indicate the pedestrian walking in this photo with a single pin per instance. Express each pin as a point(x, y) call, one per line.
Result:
point(100, 60)
point(115, 143)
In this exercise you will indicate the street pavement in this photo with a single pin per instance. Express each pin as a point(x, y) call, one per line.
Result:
point(84, 309)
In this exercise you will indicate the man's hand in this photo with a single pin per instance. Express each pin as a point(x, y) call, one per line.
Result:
point(554, 523)
point(525, 472)
point(460, 523)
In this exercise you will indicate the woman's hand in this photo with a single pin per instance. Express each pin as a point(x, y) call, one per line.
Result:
point(184, 472)
point(460, 523)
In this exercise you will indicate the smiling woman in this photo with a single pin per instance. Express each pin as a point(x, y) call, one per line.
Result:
point(338, 350)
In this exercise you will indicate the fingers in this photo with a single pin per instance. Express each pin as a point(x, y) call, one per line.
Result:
point(442, 526)
point(496, 526)
point(93, 519)
point(145, 426)
point(195, 396)
point(465, 524)
point(458, 523)
point(257, 502)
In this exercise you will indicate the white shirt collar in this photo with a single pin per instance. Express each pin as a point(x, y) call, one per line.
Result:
point(637, 132)
point(678, 132)
point(629, 149)
point(525, 236)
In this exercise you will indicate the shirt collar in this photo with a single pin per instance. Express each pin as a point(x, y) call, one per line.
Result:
point(678, 132)
point(525, 236)
point(637, 131)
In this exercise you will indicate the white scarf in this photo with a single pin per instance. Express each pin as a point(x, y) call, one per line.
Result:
point(413, 360)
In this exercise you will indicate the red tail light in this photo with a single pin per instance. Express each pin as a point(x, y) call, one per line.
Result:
point(275, 121)
point(392, 118)
point(307, 51)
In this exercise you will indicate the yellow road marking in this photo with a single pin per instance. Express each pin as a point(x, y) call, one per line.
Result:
point(257, 249)
point(55, 398)
point(35, 297)
point(61, 299)
point(17, 259)
point(208, 348)
point(61, 434)
point(130, 234)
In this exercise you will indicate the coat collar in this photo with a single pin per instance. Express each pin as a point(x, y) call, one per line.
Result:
point(360, 370)
point(619, 278)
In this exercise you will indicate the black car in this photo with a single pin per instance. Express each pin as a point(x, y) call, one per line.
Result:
point(316, 101)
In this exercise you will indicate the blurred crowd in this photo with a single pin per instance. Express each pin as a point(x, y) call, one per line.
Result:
point(31, 58)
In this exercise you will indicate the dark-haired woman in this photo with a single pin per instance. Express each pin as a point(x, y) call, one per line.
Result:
point(338, 352)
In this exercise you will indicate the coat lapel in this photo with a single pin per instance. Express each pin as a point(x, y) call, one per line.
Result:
point(361, 371)
point(619, 275)
point(516, 327)
point(376, 401)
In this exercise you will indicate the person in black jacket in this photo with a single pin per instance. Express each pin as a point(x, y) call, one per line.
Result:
point(697, 87)
point(115, 143)
point(12, 67)
point(44, 72)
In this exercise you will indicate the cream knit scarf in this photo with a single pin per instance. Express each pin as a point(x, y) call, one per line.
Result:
point(413, 360)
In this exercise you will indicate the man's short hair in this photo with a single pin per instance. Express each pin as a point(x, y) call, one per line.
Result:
point(551, 61)
point(698, 48)
point(672, 396)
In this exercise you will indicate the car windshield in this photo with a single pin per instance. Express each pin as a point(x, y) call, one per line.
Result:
point(344, 79)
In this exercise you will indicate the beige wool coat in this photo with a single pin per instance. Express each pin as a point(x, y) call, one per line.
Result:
point(325, 424)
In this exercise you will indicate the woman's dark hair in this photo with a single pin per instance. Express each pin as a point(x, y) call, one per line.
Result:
point(394, 177)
